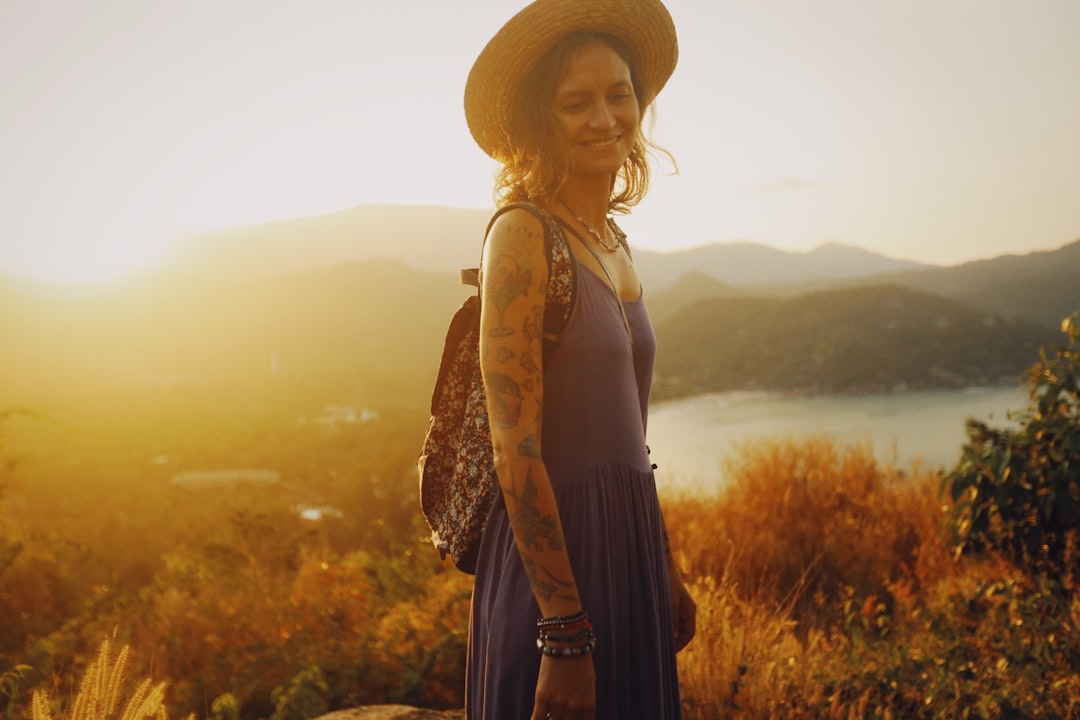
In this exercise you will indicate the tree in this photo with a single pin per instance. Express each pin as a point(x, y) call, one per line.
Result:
point(1017, 491)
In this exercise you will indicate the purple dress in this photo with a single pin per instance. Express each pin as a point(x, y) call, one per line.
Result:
point(596, 390)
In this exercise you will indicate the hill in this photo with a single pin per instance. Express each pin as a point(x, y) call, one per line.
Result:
point(439, 239)
point(226, 317)
point(744, 264)
point(428, 238)
point(1038, 287)
point(375, 328)
point(350, 329)
point(867, 339)
point(1041, 287)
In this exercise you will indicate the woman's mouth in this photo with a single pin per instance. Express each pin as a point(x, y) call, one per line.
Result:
point(600, 144)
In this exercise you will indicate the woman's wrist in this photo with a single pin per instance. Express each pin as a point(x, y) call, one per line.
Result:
point(566, 636)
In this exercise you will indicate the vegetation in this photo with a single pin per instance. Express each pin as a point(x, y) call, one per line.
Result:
point(101, 691)
point(870, 339)
point(1019, 490)
point(829, 585)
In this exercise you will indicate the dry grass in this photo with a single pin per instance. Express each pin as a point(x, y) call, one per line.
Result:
point(801, 523)
point(101, 692)
point(826, 589)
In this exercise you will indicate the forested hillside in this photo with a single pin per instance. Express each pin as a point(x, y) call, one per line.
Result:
point(839, 341)
point(1042, 287)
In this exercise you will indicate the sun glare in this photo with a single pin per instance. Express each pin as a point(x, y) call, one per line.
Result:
point(87, 263)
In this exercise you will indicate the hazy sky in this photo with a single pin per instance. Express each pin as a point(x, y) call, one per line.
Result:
point(936, 130)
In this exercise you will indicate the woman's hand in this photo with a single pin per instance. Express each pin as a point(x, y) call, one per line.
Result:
point(566, 689)
point(683, 608)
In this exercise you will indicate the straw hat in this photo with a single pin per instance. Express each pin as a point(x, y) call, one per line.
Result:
point(644, 25)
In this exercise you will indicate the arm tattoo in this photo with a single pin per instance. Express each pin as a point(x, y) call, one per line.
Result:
point(505, 400)
point(543, 588)
point(509, 281)
point(530, 447)
point(530, 527)
point(521, 236)
point(547, 586)
point(533, 330)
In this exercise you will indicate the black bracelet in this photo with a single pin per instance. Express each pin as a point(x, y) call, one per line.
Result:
point(576, 637)
point(564, 621)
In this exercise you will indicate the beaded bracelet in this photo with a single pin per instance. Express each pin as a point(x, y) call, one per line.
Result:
point(564, 621)
point(584, 636)
point(567, 652)
point(576, 637)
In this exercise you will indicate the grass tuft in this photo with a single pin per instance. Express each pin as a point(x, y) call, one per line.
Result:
point(101, 692)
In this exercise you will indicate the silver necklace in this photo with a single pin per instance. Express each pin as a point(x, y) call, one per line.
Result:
point(600, 239)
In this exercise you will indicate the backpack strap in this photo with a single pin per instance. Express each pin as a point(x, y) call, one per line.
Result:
point(562, 271)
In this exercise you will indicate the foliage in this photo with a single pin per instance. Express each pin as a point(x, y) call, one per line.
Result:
point(826, 586)
point(862, 339)
point(10, 681)
point(304, 697)
point(938, 638)
point(797, 518)
point(1018, 490)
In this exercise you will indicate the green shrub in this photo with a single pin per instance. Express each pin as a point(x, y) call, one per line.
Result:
point(1017, 491)
point(304, 697)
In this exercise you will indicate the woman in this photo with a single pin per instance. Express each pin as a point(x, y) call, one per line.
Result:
point(576, 538)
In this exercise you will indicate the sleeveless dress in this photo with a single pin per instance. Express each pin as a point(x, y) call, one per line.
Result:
point(596, 390)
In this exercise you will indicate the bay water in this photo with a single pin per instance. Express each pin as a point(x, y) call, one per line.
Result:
point(692, 438)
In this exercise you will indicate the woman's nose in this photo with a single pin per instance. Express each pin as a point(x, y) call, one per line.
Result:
point(602, 116)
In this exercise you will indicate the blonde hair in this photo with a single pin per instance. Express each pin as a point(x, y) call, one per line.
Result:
point(534, 169)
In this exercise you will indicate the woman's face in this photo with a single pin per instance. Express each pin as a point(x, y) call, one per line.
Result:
point(596, 110)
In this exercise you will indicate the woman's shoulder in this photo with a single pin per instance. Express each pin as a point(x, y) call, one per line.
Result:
point(520, 227)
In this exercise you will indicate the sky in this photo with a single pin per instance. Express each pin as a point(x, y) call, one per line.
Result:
point(934, 130)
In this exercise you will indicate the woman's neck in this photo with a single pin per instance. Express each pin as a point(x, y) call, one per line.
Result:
point(589, 198)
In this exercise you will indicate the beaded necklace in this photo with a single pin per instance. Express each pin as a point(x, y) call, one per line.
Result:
point(600, 239)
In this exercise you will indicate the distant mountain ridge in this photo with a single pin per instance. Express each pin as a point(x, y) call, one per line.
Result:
point(1043, 287)
point(441, 239)
point(427, 238)
point(744, 264)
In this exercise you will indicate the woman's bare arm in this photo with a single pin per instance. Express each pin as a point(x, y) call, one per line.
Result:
point(515, 277)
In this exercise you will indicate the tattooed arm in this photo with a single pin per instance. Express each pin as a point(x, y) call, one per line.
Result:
point(511, 354)
point(515, 277)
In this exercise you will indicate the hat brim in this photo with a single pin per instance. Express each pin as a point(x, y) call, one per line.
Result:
point(644, 25)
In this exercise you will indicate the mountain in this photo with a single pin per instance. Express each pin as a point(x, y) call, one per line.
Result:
point(1039, 287)
point(278, 304)
point(851, 340)
point(689, 289)
point(428, 238)
point(1043, 287)
point(440, 239)
point(745, 264)
point(377, 324)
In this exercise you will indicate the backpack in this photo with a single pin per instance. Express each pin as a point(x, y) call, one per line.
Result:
point(458, 484)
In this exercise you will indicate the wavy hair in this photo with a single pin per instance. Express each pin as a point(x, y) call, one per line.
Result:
point(535, 169)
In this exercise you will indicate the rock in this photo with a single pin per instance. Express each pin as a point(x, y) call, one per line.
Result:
point(393, 712)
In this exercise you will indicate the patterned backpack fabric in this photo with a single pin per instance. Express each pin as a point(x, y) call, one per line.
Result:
point(458, 484)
